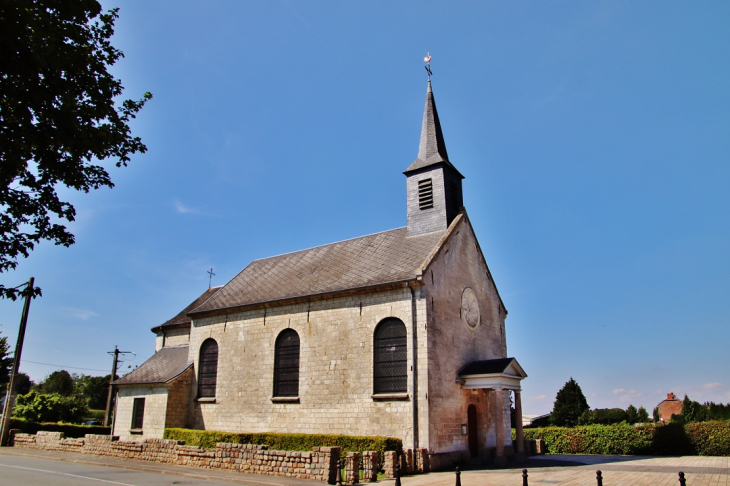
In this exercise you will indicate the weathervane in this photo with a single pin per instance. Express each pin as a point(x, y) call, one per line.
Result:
point(427, 60)
point(210, 272)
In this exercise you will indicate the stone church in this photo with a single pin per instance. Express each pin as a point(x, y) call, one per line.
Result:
point(399, 334)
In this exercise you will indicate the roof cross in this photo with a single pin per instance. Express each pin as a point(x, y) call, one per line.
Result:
point(427, 60)
point(210, 280)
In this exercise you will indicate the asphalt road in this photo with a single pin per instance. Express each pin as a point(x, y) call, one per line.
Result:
point(33, 471)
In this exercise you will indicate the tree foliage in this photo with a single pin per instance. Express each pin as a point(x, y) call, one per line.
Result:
point(94, 389)
point(59, 382)
point(58, 118)
point(6, 361)
point(23, 383)
point(570, 403)
point(50, 407)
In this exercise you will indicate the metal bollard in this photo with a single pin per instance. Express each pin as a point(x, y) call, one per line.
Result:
point(458, 476)
point(599, 478)
point(682, 480)
point(397, 474)
point(524, 477)
point(339, 474)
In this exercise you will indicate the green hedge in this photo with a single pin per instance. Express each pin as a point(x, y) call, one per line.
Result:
point(704, 439)
point(710, 438)
point(289, 442)
point(69, 430)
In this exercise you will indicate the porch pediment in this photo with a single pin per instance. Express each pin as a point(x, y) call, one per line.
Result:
point(504, 373)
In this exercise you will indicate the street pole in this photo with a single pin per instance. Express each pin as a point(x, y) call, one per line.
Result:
point(107, 413)
point(10, 396)
point(110, 395)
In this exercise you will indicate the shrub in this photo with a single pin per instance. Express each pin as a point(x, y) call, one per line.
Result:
point(594, 439)
point(703, 438)
point(289, 442)
point(710, 438)
point(51, 407)
point(69, 430)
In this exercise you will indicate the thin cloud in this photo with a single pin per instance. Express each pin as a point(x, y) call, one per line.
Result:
point(710, 386)
point(81, 314)
point(538, 398)
point(182, 208)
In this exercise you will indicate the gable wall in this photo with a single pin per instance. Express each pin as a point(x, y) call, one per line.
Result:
point(452, 344)
point(172, 337)
point(335, 374)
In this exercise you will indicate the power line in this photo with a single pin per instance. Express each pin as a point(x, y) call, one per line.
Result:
point(62, 366)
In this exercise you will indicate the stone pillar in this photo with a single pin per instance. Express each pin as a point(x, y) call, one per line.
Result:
point(500, 459)
point(352, 468)
point(422, 460)
point(407, 467)
point(370, 466)
point(520, 453)
point(390, 461)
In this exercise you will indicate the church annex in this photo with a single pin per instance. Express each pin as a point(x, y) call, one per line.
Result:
point(399, 333)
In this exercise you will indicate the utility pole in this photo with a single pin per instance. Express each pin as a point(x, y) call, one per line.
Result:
point(10, 395)
point(115, 363)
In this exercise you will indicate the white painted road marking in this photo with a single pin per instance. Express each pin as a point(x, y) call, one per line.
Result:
point(67, 474)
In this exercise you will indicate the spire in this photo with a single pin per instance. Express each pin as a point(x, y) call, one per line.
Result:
point(432, 149)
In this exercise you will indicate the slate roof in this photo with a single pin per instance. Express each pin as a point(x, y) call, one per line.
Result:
point(378, 259)
point(486, 367)
point(182, 317)
point(163, 366)
point(432, 148)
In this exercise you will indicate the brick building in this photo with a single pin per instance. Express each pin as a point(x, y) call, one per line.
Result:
point(399, 333)
point(669, 406)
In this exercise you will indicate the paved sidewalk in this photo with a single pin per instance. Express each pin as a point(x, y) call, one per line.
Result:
point(580, 470)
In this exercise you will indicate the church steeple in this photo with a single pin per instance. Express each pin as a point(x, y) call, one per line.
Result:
point(433, 183)
point(432, 148)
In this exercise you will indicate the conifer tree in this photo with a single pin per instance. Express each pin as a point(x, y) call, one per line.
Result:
point(570, 403)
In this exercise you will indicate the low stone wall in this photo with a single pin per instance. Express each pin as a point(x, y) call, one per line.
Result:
point(320, 464)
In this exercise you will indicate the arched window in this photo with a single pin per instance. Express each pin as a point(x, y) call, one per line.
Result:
point(286, 364)
point(208, 368)
point(390, 373)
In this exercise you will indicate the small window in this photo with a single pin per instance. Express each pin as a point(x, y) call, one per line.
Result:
point(286, 364)
point(390, 374)
point(208, 369)
point(138, 413)
point(425, 194)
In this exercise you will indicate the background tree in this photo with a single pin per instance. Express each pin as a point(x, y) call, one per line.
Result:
point(570, 403)
point(59, 382)
point(642, 416)
point(57, 118)
point(94, 389)
point(693, 411)
point(6, 363)
point(655, 415)
point(632, 414)
point(23, 383)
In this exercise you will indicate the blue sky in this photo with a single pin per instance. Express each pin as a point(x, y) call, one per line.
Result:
point(594, 138)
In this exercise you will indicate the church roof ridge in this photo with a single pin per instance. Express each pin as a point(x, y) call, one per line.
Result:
point(328, 244)
point(383, 258)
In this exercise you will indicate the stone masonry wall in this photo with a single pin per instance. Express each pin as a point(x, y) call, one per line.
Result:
point(320, 464)
point(453, 344)
point(155, 411)
point(178, 400)
point(335, 368)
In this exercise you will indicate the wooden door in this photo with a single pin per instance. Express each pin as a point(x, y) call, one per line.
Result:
point(472, 431)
